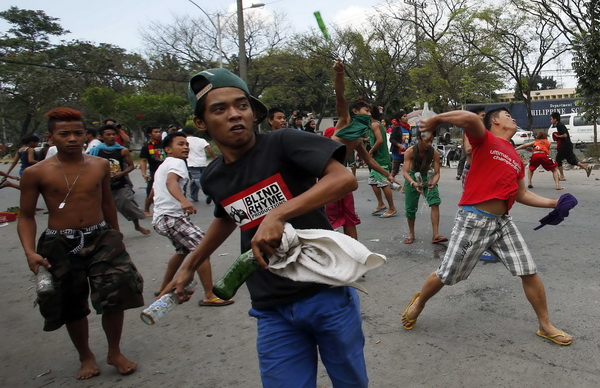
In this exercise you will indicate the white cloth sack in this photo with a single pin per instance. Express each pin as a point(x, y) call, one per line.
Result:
point(322, 256)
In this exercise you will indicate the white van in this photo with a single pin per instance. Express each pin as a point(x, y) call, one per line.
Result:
point(581, 131)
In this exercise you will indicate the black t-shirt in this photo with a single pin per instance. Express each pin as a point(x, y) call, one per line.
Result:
point(281, 165)
point(116, 161)
point(564, 141)
point(154, 154)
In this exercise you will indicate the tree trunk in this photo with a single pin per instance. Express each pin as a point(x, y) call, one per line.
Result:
point(25, 125)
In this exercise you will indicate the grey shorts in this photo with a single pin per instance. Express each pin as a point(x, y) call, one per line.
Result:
point(181, 231)
point(472, 235)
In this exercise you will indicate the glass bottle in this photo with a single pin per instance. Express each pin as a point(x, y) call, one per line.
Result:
point(226, 287)
point(45, 286)
point(162, 306)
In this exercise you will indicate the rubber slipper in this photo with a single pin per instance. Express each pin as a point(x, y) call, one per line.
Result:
point(439, 239)
point(408, 240)
point(411, 322)
point(388, 215)
point(553, 338)
point(215, 302)
point(530, 186)
point(378, 212)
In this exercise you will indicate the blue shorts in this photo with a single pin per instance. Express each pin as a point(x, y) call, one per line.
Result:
point(290, 335)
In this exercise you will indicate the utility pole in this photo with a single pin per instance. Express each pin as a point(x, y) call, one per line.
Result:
point(416, 4)
point(241, 41)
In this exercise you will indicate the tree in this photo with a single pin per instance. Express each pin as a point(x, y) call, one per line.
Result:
point(444, 72)
point(570, 17)
point(30, 31)
point(586, 63)
point(26, 41)
point(519, 45)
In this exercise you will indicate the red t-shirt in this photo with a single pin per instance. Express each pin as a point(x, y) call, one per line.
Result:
point(495, 171)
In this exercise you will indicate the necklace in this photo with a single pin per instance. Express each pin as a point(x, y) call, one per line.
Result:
point(69, 186)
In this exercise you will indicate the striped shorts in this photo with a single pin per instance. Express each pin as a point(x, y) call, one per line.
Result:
point(475, 233)
point(183, 233)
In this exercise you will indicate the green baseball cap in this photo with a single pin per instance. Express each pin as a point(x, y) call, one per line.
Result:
point(210, 79)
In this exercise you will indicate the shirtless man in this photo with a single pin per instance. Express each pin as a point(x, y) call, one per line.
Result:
point(83, 230)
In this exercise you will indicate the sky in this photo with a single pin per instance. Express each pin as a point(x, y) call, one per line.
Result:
point(119, 22)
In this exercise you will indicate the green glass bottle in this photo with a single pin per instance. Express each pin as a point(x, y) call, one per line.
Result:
point(226, 287)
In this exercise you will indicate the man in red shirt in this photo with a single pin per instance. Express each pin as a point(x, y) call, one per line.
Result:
point(483, 222)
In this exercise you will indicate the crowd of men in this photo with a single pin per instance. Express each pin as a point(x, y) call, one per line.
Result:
point(305, 175)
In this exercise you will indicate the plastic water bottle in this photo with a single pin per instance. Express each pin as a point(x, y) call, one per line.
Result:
point(162, 306)
point(226, 287)
point(45, 286)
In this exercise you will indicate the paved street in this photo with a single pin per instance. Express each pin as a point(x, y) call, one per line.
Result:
point(478, 333)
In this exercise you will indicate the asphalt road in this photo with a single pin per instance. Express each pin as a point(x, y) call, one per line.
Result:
point(478, 333)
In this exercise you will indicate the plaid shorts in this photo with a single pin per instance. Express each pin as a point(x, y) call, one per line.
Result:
point(475, 233)
point(374, 182)
point(183, 233)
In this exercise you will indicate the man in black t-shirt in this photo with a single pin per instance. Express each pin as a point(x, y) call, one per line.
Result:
point(260, 182)
point(565, 148)
point(151, 155)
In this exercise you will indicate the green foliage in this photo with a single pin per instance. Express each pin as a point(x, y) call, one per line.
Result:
point(586, 63)
point(29, 32)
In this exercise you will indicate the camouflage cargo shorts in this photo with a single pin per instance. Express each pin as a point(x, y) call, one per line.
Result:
point(100, 265)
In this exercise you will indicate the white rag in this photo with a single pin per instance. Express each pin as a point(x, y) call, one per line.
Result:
point(322, 256)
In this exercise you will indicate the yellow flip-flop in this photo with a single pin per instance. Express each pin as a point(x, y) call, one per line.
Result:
point(553, 338)
point(411, 322)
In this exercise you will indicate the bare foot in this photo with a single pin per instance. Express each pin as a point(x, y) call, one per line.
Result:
point(559, 188)
point(88, 369)
point(142, 230)
point(122, 364)
point(148, 213)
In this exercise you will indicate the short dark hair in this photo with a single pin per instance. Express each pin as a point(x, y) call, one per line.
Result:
point(189, 131)
point(272, 112)
point(109, 119)
point(29, 139)
point(107, 127)
point(555, 116)
point(151, 128)
point(91, 131)
point(359, 103)
point(487, 120)
point(168, 140)
point(62, 114)
point(477, 109)
point(375, 113)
